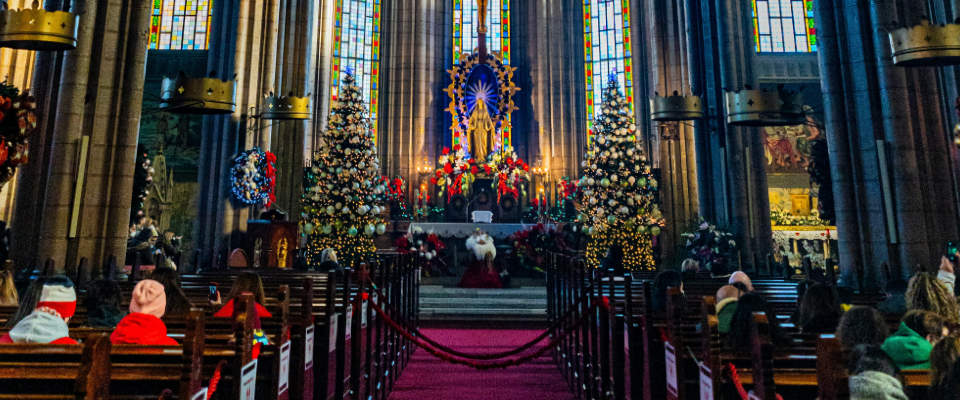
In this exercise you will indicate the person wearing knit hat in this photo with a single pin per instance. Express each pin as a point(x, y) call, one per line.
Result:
point(143, 325)
point(48, 321)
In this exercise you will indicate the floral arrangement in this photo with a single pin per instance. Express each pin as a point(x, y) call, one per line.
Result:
point(509, 172)
point(532, 244)
point(784, 218)
point(426, 245)
point(254, 177)
point(18, 122)
point(455, 171)
point(712, 247)
point(396, 198)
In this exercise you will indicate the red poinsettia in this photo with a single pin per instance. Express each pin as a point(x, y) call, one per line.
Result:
point(456, 147)
point(433, 181)
point(448, 168)
point(474, 169)
point(445, 151)
point(487, 170)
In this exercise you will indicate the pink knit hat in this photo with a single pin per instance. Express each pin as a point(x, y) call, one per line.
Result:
point(149, 298)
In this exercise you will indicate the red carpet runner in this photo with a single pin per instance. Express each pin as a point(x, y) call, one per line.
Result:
point(427, 377)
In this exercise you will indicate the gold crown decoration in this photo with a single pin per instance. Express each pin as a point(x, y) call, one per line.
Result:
point(38, 29)
point(675, 107)
point(279, 107)
point(925, 45)
point(751, 107)
point(185, 95)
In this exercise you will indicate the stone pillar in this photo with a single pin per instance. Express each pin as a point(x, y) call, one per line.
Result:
point(414, 47)
point(889, 147)
point(664, 39)
point(244, 46)
point(730, 176)
point(96, 91)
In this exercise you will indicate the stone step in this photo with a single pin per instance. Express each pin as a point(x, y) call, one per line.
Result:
point(484, 311)
point(440, 303)
point(470, 303)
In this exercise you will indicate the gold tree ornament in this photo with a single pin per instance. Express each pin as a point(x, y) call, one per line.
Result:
point(38, 29)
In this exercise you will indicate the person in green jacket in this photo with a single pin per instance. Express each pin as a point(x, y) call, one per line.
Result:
point(727, 297)
point(911, 344)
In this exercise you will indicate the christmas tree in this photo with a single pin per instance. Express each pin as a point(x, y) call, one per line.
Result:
point(343, 191)
point(618, 204)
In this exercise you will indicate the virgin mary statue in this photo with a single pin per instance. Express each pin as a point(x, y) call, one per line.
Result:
point(480, 132)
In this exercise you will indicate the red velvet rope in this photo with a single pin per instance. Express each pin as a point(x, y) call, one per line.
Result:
point(493, 356)
point(473, 364)
point(215, 379)
point(735, 377)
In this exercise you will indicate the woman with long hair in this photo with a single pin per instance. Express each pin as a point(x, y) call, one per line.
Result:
point(819, 310)
point(925, 292)
point(8, 291)
point(247, 282)
point(28, 302)
point(177, 302)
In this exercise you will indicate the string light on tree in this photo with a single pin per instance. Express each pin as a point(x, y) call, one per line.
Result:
point(618, 204)
point(343, 194)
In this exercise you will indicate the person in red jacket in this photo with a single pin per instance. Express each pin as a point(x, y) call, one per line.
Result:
point(247, 282)
point(143, 324)
point(48, 321)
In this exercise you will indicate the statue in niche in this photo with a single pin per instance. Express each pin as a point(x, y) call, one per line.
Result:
point(282, 253)
point(481, 131)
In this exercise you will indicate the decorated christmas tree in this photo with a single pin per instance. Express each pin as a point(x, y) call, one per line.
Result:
point(343, 191)
point(618, 204)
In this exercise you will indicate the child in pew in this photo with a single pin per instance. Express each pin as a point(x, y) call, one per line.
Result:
point(819, 310)
point(943, 356)
point(911, 344)
point(248, 282)
point(861, 325)
point(8, 290)
point(873, 375)
point(727, 297)
point(178, 305)
point(47, 323)
point(143, 325)
point(663, 281)
point(103, 304)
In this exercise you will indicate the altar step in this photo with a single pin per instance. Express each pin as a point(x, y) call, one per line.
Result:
point(525, 305)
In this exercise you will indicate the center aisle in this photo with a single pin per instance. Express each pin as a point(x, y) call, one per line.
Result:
point(427, 377)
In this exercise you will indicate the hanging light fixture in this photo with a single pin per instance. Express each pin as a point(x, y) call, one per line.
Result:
point(38, 29)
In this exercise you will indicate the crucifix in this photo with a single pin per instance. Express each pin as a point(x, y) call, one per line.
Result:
point(482, 28)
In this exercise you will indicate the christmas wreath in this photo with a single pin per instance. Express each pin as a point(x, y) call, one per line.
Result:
point(254, 177)
point(18, 121)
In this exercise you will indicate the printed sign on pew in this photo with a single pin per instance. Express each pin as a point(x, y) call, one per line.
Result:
point(308, 349)
point(283, 382)
point(706, 383)
point(334, 320)
point(200, 395)
point(248, 381)
point(670, 358)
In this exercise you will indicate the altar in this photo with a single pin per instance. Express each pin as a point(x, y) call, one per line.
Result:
point(462, 230)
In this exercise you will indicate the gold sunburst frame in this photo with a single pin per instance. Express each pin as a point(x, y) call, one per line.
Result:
point(460, 75)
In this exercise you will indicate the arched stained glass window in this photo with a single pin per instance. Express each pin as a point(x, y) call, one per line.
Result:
point(606, 38)
point(180, 24)
point(465, 28)
point(784, 26)
point(356, 49)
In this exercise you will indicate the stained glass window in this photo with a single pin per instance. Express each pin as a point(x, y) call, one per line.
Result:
point(180, 25)
point(465, 21)
point(606, 38)
point(356, 49)
point(784, 26)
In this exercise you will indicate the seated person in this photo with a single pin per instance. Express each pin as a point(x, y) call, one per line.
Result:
point(689, 268)
point(178, 305)
point(742, 321)
point(741, 280)
point(663, 281)
point(481, 273)
point(873, 375)
point(861, 325)
point(911, 344)
point(247, 282)
point(819, 310)
point(143, 325)
point(8, 291)
point(895, 302)
point(48, 321)
point(943, 356)
point(103, 304)
point(727, 297)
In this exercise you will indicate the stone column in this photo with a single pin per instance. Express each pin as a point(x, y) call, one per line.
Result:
point(414, 47)
point(889, 146)
point(243, 45)
point(96, 91)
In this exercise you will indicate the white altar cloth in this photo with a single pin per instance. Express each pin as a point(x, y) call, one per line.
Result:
point(465, 229)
